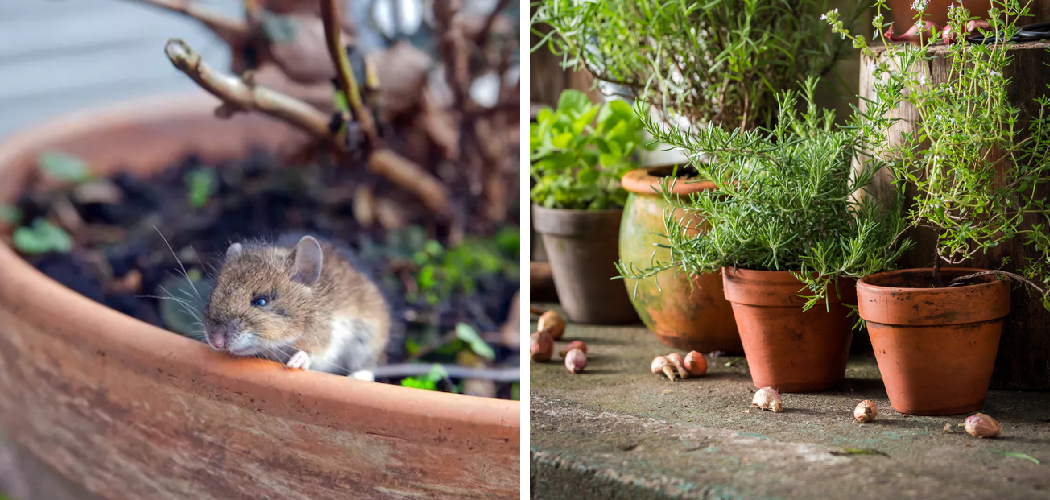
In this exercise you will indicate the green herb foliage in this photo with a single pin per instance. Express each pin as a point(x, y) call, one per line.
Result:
point(42, 237)
point(580, 151)
point(977, 167)
point(716, 60)
point(64, 167)
point(785, 200)
point(427, 382)
point(200, 185)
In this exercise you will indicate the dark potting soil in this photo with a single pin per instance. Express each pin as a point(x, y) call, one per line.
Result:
point(686, 172)
point(120, 259)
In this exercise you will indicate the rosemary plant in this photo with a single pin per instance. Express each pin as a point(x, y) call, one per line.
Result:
point(786, 199)
point(979, 170)
point(718, 60)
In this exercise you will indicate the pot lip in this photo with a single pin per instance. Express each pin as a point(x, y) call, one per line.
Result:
point(579, 211)
point(640, 182)
point(776, 276)
point(864, 284)
point(139, 340)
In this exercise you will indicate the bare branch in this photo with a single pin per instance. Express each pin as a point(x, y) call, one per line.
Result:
point(411, 177)
point(232, 30)
point(238, 96)
point(345, 74)
point(1003, 274)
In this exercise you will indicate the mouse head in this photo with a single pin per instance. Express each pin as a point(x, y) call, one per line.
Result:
point(262, 297)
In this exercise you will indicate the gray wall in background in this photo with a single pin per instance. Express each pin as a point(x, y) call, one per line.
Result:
point(59, 56)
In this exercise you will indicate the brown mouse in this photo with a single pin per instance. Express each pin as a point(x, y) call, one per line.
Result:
point(303, 305)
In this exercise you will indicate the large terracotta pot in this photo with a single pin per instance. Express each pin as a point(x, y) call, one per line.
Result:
point(130, 411)
point(903, 17)
point(581, 247)
point(789, 349)
point(935, 347)
point(687, 312)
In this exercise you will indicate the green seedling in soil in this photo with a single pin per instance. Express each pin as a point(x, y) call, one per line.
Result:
point(428, 382)
point(200, 186)
point(1017, 455)
point(64, 167)
point(10, 214)
point(42, 237)
point(468, 334)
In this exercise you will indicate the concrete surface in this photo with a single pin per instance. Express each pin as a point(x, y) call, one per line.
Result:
point(618, 431)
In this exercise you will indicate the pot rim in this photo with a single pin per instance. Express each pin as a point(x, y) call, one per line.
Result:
point(36, 294)
point(865, 282)
point(736, 280)
point(640, 182)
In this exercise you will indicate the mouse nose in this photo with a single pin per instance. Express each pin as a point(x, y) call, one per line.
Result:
point(219, 337)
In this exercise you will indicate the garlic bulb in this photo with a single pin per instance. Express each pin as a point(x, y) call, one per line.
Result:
point(981, 425)
point(767, 398)
point(660, 365)
point(575, 360)
point(541, 348)
point(553, 323)
point(575, 344)
point(676, 359)
point(865, 411)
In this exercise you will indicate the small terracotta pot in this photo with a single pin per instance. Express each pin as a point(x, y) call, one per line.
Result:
point(903, 16)
point(687, 312)
point(936, 347)
point(129, 411)
point(581, 248)
point(789, 349)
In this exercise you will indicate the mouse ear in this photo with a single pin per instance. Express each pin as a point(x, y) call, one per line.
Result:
point(234, 250)
point(308, 259)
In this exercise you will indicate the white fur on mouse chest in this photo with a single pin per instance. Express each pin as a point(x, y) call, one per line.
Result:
point(348, 335)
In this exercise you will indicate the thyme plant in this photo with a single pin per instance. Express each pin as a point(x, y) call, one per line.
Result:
point(978, 168)
point(785, 199)
point(717, 60)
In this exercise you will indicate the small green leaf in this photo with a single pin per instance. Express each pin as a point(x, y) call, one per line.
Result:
point(200, 185)
point(587, 176)
point(42, 237)
point(562, 140)
point(340, 102)
point(468, 334)
point(1017, 455)
point(10, 214)
point(573, 102)
point(418, 383)
point(64, 167)
point(437, 373)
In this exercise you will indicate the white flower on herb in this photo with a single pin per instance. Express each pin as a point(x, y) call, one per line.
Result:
point(922, 79)
point(996, 73)
point(919, 5)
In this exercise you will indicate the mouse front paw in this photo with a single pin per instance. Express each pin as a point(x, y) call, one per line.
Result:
point(300, 361)
point(366, 375)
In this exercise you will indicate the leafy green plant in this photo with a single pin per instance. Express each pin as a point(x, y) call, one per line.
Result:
point(577, 165)
point(445, 271)
point(713, 61)
point(200, 186)
point(979, 171)
point(427, 382)
point(42, 237)
point(468, 334)
point(64, 167)
point(785, 200)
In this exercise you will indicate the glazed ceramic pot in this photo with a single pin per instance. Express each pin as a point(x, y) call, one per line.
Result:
point(125, 410)
point(789, 349)
point(581, 248)
point(687, 312)
point(935, 346)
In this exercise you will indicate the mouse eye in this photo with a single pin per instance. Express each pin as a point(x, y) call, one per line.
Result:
point(261, 300)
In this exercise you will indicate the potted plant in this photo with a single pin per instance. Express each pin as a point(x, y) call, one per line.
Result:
point(92, 368)
point(789, 235)
point(642, 50)
point(976, 165)
point(579, 153)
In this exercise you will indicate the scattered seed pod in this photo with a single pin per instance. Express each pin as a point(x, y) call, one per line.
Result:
point(660, 365)
point(541, 348)
point(695, 363)
point(575, 344)
point(981, 425)
point(553, 323)
point(575, 360)
point(767, 398)
point(676, 359)
point(865, 411)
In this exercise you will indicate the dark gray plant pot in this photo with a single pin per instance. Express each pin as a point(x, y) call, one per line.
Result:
point(582, 248)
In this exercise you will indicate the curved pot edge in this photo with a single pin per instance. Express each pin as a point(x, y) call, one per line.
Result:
point(27, 289)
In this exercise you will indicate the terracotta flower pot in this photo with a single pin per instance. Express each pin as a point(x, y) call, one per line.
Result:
point(130, 411)
point(581, 248)
point(685, 311)
point(788, 349)
point(903, 17)
point(935, 346)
